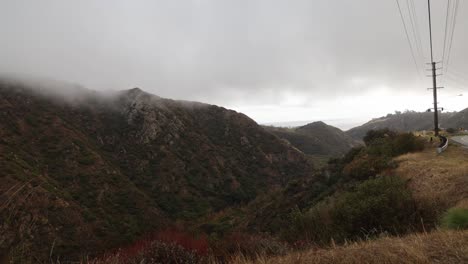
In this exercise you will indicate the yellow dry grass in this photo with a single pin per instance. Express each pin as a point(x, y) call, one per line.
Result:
point(441, 180)
point(436, 247)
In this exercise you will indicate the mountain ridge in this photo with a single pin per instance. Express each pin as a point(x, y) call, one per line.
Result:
point(120, 166)
point(405, 122)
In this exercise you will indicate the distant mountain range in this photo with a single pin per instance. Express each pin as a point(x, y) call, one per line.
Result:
point(411, 121)
point(317, 139)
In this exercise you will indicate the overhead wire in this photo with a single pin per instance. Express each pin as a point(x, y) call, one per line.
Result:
point(415, 26)
point(445, 32)
point(454, 22)
point(408, 38)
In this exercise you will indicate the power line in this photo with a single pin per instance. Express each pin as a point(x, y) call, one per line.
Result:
point(454, 75)
point(415, 26)
point(408, 38)
point(454, 22)
point(455, 84)
point(455, 72)
point(445, 34)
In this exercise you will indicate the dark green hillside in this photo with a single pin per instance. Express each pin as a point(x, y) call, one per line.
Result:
point(88, 174)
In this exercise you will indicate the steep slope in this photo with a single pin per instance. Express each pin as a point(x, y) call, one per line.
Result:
point(316, 138)
point(403, 122)
point(85, 174)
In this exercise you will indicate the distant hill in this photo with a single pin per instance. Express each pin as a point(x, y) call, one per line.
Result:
point(92, 172)
point(458, 120)
point(316, 138)
point(404, 122)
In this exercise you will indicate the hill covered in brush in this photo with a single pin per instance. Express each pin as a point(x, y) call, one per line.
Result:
point(405, 122)
point(88, 172)
point(316, 139)
point(458, 120)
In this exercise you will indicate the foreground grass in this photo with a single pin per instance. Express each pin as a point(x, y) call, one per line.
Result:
point(436, 247)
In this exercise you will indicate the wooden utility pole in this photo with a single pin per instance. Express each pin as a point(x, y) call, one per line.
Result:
point(434, 89)
point(434, 75)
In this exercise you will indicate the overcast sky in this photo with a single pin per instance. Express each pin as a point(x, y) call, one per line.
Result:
point(277, 61)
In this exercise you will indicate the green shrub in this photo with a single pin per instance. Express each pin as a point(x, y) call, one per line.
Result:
point(387, 143)
point(405, 143)
point(455, 218)
point(377, 205)
point(364, 167)
point(381, 204)
point(373, 135)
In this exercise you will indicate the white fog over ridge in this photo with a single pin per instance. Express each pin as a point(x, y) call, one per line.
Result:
point(276, 61)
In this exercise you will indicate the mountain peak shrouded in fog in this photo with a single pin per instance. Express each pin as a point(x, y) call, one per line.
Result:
point(276, 61)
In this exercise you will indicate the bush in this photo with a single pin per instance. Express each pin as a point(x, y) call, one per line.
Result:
point(377, 205)
point(249, 245)
point(455, 218)
point(405, 143)
point(162, 252)
point(393, 144)
point(364, 167)
point(194, 244)
point(373, 135)
point(166, 246)
point(381, 204)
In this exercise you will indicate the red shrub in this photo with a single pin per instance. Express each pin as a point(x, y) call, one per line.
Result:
point(170, 236)
point(185, 240)
point(249, 245)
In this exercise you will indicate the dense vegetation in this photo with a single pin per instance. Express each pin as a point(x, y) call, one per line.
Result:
point(367, 199)
point(336, 206)
point(148, 179)
point(92, 173)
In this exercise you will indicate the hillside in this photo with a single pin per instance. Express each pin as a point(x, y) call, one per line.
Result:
point(459, 120)
point(392, 201)
point(436, 182)
point(316, 138)
point(437, 179)
point(86, 173)
point(404, 122)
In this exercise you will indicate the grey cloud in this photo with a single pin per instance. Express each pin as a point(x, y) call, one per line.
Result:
point(219, 51)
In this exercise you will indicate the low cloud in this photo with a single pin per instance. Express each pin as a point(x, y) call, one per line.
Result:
point(244, 54)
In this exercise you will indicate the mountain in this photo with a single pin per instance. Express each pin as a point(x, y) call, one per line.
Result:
point(90, 172)
point(403, 122)
point(317, 139)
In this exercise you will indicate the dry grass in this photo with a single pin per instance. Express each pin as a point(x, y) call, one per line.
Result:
point(441, 180)
point(437, 247)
